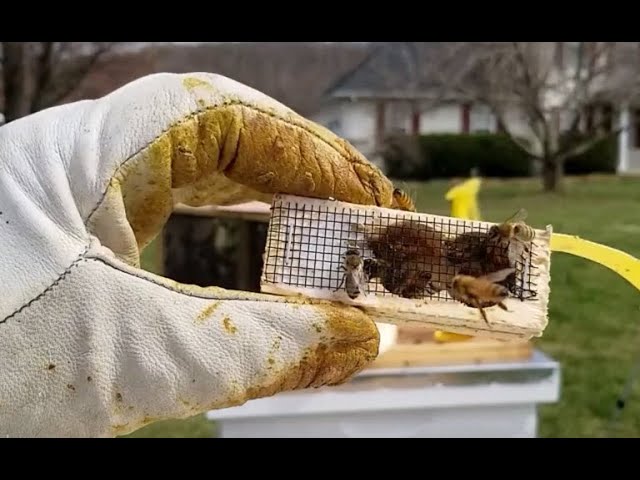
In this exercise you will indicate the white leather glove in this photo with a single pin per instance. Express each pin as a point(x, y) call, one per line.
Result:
point(90, 345)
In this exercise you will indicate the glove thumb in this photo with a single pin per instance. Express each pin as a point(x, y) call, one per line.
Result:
point(135, 348)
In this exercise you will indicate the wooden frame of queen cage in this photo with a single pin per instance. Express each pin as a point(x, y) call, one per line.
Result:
point(410, 260)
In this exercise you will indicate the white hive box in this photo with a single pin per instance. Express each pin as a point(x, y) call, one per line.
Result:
point(496, 400)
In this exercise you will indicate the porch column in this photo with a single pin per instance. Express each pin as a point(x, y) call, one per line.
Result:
point(623, 139)
point(465, 118)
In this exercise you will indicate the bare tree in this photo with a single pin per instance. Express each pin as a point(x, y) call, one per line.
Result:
point(38, 75)
point(413, 74)
point(549, 86)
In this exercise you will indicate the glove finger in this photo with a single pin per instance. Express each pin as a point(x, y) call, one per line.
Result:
point(111, 348)
point(205, 139)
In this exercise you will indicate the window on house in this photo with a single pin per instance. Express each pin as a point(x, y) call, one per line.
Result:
point(598, 118)
point(482, 119)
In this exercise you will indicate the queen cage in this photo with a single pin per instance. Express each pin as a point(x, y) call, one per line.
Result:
point(409, 259)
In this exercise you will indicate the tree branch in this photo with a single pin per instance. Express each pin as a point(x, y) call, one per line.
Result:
point(18, 78)
point(67, 81)
point(45, 72)
point(529, 92)
point(583, 146)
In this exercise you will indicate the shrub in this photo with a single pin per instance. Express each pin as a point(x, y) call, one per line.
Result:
point(455, 155)
point(435, 156)
point(602, 157)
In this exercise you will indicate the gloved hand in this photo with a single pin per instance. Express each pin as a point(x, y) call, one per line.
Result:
point(90, 345)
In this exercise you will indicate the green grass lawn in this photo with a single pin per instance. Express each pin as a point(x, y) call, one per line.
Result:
point(594, 329)
point(594, 316)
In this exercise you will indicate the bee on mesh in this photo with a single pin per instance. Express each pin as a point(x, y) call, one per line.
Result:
point(408, 255)
point(403, 200)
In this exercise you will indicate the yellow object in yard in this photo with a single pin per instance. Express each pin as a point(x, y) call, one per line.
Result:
point(464, 204)
point(625, 265)
point(464, 199)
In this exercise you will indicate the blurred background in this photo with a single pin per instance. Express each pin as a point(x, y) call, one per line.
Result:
point(552, 127)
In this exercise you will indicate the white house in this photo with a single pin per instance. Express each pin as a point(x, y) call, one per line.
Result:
point(381, 95)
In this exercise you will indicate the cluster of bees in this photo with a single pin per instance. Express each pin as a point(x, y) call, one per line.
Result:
point(412, 261)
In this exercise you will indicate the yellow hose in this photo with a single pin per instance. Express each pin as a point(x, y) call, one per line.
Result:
point(625, 265)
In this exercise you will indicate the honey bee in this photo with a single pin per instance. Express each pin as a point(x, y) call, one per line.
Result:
point(403, 200)
point(481, 292)
point(408, 282)
point(466, 248)
point(354, 279)
point(408, 258)
point(476, 254)
point(513, 229)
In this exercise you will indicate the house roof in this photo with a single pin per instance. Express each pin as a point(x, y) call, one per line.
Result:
point(399, 70)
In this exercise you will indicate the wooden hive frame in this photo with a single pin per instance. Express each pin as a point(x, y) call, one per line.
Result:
point(305, 247)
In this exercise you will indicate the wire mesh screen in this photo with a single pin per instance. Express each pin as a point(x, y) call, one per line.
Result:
point(359, 252)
